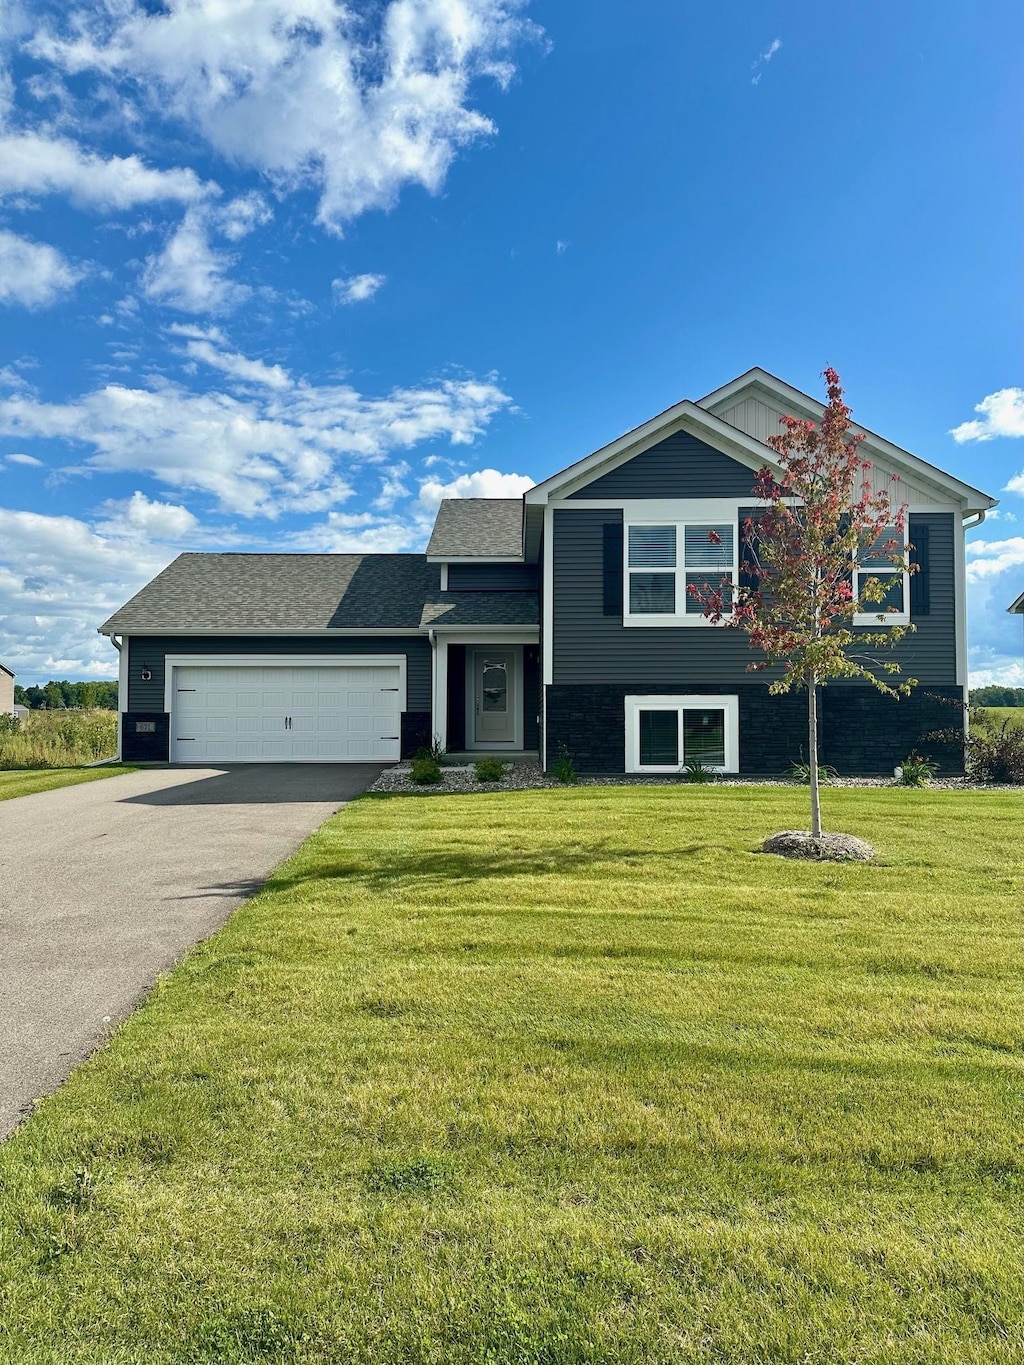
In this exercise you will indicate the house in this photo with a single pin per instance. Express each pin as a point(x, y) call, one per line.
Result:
point(556, 622)
point(6, 691)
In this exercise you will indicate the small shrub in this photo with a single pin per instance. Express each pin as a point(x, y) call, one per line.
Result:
point(697, 772)
point(425, 771)
point(995, 750)
point(9, 724)
point(564, 769)
point(916, 771)
point(489, 770)
point(802, 772)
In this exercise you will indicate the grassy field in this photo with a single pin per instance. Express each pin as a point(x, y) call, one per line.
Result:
point(547, 1077)
point(58, 739)
point(1015, 714)
point(23, 782)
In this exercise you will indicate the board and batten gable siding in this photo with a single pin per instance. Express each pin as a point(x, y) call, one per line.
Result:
point(492, 577)
point(590, 647)
point(151, 650)
point(680, 466)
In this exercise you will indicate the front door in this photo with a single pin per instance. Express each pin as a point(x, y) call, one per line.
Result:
point(494, 693)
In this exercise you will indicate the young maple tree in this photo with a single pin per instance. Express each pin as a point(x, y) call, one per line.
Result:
point(797, 604)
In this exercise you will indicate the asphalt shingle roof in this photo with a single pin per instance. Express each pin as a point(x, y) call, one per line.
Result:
point(482, 609)
point(282, 592)
point(478, 527)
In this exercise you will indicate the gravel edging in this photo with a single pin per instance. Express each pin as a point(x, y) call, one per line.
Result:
point(528, 776)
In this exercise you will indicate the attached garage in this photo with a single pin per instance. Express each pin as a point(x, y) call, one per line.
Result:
point(329, 709)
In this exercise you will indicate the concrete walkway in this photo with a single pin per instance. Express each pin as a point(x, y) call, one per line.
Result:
point(104, 885)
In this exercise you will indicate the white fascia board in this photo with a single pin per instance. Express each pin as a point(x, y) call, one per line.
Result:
point(475, 559)
point(804, 405)
point(473, 635)
point(1017, 608)
point(685, 416)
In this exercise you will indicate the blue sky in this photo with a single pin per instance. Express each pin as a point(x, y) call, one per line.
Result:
point(278, 275)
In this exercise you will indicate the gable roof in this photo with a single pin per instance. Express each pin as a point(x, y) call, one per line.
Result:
point(705, 420)
point(1017, 607)
point(477, 528)
point(9, 671)
point(281, 592)
point(756, 382)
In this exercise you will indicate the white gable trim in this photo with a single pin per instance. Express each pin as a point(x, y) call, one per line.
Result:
point(685, 416)
point(803, 405)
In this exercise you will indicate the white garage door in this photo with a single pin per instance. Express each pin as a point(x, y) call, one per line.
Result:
point(278, 713)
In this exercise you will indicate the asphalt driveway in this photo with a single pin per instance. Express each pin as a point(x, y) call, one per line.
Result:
point(105, 885)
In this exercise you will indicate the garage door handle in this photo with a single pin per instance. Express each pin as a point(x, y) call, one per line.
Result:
point(390, 736)
point(389, 689)
point(184, 739)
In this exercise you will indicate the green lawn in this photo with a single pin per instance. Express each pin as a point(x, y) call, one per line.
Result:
point(557, 1077)
point(23, 782)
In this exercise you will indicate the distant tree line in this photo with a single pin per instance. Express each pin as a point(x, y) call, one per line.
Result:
point(68, 696)
point(997, 696)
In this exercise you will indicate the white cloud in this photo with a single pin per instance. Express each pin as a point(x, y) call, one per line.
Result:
point(307, 91)
point(989, 669)
point(59, 579)
point(243, 215)
point(32, 273)
point(207, 347)
point(359, 533)
point(189, 274)
point(262, 452)
point(1002, 414)
point(139, 516)
point(31, 163)
point(483, 483)
point(19, 458)
point(986, 558)
point(763, 59)
point(356, 288)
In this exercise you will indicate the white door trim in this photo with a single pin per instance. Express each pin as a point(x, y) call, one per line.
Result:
point(516, 742)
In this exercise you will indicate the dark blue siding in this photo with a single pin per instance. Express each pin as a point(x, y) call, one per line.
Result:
point(492, 577)
point(152, 650)
point(680, 466)
point(591, 647)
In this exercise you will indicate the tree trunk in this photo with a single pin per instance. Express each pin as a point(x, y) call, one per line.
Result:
point(812, 750)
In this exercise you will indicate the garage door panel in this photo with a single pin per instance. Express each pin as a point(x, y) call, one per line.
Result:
point(226, 713)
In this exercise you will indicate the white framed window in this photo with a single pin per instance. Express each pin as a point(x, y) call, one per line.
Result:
point(875, 561)
point(664, 558)
point(664, 733)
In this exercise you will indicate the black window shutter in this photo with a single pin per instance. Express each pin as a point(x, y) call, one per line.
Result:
point(747, 578)
point(613, 568)
point(920, 582)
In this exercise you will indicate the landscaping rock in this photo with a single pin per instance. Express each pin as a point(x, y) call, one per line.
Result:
point(828, 848)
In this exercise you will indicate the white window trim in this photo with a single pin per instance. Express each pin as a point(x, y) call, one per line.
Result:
point(676, 618)
point(679, 703)
point(881, 619)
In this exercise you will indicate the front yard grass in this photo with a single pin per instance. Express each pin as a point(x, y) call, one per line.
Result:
point(25, 781)
point(551, 1077)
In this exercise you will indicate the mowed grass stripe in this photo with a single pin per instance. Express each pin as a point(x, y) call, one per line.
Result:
point(557, 1077)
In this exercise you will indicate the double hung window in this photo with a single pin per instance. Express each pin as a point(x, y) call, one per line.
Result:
point(664, 559)
point(881, 560)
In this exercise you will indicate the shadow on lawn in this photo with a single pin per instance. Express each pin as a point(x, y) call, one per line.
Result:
point(477, 866)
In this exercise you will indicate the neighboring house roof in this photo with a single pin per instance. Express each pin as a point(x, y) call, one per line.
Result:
point(450, 609)
point(1018, 606)
point(478, 528)
point(281, 592)
point(9, 671)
